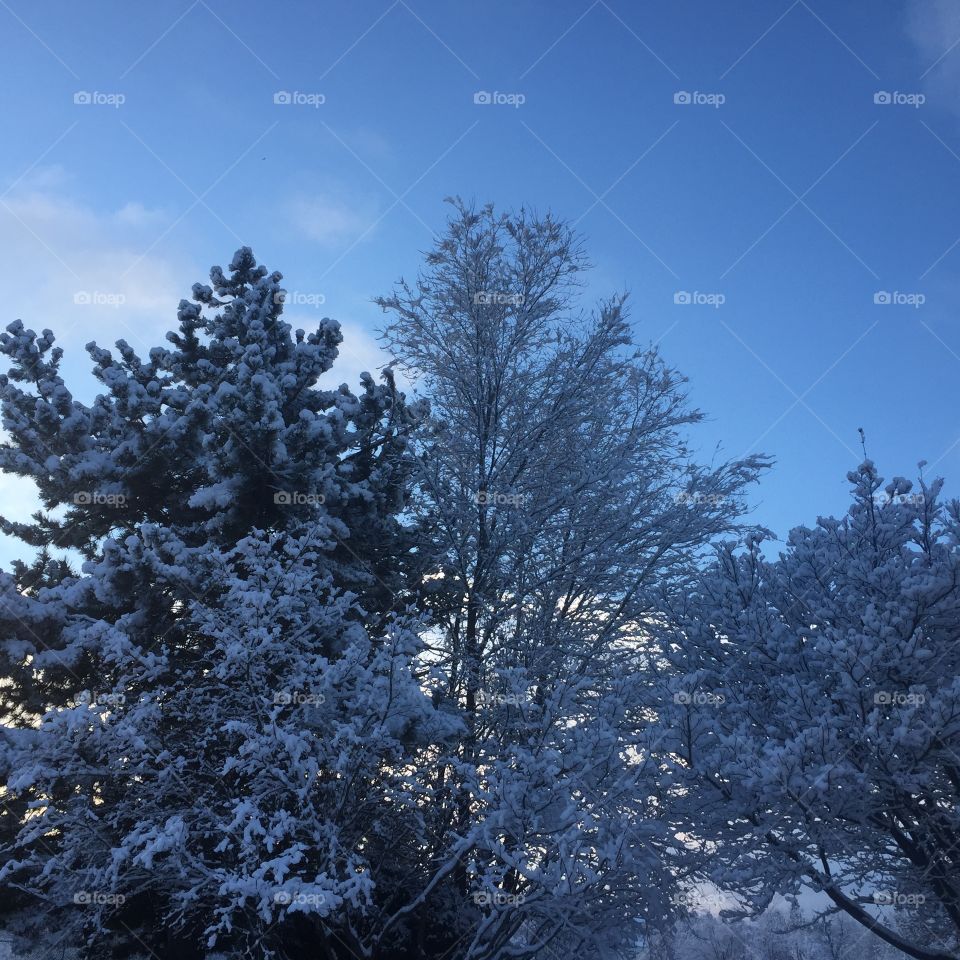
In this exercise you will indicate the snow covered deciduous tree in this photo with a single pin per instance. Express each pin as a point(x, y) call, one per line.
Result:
point(776, 935)
point(208, 729)
point(557, 496)
point(812, 724)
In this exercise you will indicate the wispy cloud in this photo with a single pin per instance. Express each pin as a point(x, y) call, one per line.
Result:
point(77, 268)
point(934, 28)
point(330, 220)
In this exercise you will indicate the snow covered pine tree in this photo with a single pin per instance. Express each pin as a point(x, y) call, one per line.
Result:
point(812, 727)
point(207, 731)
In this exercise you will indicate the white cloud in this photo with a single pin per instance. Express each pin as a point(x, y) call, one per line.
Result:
point(84, 274)
point(136, 214)
point(371, 144)
point(360, 351)
point(330, 221)
point(934, 28)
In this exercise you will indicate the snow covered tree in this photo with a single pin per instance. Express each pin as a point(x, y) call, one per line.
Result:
point(811, 729)
point(557, 496)
point(775, 935)
point(209, 729)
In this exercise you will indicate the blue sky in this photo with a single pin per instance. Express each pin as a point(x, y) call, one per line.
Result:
point(782, 189)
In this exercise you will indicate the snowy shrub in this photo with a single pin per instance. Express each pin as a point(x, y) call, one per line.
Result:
point(828, 754)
